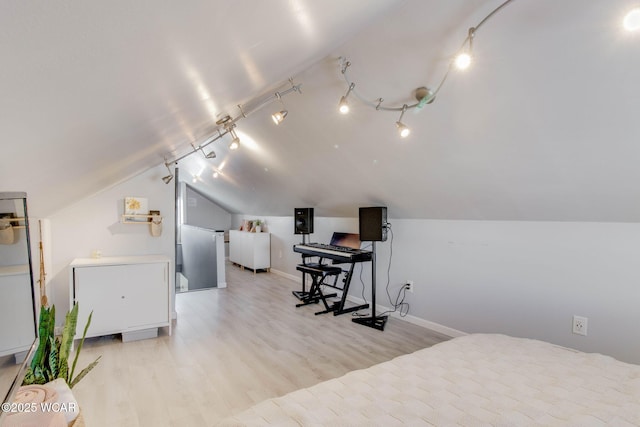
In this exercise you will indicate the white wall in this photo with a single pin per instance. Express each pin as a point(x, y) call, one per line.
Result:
point(200, 211)
point(525, 279)
point(94, 224)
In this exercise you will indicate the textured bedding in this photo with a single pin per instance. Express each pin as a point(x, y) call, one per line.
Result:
point(475, 380)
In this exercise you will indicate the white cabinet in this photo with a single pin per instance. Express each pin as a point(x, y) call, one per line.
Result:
point(128, 295)
point(250, 250)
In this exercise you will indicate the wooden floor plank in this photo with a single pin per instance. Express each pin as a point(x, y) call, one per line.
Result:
point(231, 348)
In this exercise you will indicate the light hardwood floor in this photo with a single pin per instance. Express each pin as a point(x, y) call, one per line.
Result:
point(230, 349)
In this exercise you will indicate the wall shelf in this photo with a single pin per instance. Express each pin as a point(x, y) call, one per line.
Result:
point(153, 221)
point(127, 219)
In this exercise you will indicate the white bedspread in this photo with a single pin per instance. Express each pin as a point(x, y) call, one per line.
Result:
point(475, 380)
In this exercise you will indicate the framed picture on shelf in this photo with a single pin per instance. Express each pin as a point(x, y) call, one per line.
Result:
point(136, 206)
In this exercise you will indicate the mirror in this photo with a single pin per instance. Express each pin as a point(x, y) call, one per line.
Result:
point(17, 308)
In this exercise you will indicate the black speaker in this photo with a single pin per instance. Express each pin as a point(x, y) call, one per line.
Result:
point(303, 221)
point(373, 224)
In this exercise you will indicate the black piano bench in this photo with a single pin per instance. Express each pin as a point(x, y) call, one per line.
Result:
point(318, 273)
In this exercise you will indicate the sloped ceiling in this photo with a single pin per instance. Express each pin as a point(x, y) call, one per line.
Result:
point(542, 127)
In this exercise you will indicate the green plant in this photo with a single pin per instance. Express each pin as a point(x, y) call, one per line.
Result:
point(51, 359)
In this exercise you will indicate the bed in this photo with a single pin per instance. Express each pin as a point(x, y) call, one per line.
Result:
point(474, 380)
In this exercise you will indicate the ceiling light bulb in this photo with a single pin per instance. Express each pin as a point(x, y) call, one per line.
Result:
point(211, 155)
point(234, 144)
point(343, 106)
point(279, 116)
point(632, 20)
point(463, 61)
point(215, 174)
point(403, 129)
point(167, 179)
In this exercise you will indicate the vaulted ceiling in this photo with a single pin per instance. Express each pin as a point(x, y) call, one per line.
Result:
point(543, 126)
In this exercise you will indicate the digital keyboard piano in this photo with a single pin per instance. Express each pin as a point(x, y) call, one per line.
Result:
point(320, 271)
point(335, 253)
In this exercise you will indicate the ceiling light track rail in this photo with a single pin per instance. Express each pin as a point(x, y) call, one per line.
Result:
point(423, 95)
point(226, 125)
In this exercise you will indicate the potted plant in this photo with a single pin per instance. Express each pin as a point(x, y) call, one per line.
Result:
point(258, 225)
point(51, 359)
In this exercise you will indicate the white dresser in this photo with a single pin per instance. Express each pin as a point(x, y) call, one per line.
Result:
point(250, 250)
point(129, 295)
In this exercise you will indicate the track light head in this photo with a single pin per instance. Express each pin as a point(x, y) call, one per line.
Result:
point(211, 155)
point(343, 105)
point(402, 128)
point(167, 179)
point(235, 140)
point(463, 60)
point(279, 116)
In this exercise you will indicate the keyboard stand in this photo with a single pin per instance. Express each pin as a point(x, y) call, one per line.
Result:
point(338, 308)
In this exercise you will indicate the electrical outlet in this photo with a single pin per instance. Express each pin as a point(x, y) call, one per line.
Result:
point(409, 286)
point(580, 325)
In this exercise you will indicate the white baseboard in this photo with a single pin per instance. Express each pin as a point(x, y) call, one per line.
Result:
point(445, 330)
point(286, 275)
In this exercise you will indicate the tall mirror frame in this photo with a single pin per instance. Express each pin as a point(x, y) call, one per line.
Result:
point(18, 324)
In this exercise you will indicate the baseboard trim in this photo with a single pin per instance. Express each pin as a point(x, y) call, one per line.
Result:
point(286, 275)
point(427, 324)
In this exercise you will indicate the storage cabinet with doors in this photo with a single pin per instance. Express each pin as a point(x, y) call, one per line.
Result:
point(250, 250)
point(128, 295)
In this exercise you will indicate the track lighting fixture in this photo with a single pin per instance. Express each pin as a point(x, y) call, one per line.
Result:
point(235, 141)
point(424, 95)
point(209, 155)
point(343, 106)
point(167, 179)
point(464, 58)
point(402, 128)
point(279, 116)
point(228, 123)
